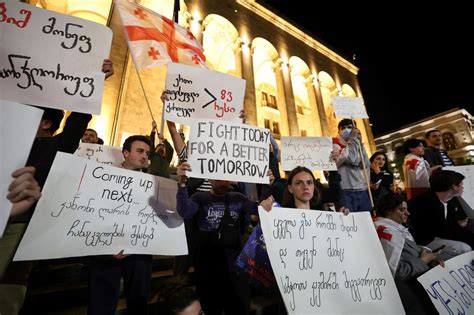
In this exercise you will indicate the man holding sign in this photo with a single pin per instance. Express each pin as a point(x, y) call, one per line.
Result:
point(106, 271)
point(354, 187)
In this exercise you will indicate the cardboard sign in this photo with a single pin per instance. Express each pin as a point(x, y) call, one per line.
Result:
point(104, 154)
point(89, 208)
point(228, 151)
point(16, 142)
point(310, 152)
point(349, 107)
point(197, 93)
point(451, 288)
point(328, 263)
point(51, 59)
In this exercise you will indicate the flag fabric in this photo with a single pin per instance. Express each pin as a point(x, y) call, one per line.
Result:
point(155, 40)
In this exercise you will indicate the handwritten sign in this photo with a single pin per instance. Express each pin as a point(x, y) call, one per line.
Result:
point(197, 93)
point(228, 151)
point(99, 153)
point(328, 263)
point(89, 208)
point(310, 152)
point(349, 107)
point(51, 59)
point(16, 143)
point(451, 288)
point(467, 198)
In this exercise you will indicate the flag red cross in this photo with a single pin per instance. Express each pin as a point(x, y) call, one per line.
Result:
point(412, 164)
point(167, 37)
point(382, 234)
point(153, 53)
point(140, 13)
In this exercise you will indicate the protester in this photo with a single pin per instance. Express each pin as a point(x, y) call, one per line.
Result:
point(218, 213)
point(381, 178)
point(90, 136)
point(438, 218)
point(434, 154)
point(106, 271)
point(406, 259)
point(355, 195)
point(415, 168)
point(161, 156)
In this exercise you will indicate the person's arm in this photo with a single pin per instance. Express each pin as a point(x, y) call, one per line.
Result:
point(178, 142)
point(152, 136)
point(23, 191)
point(76, 125)
point(186, 207)
point(276, 149)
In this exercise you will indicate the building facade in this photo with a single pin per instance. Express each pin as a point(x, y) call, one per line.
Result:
point(290, 76)
point(456, 127)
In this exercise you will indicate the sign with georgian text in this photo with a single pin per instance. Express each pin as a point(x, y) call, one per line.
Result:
point(197, 93)
point(328, 263)
point(451, 288)
point(310, 152)
point(51, 59)
point(349, 107)
point(16, 142)
point(89, 208)
point(228, 151)
point(104, 154)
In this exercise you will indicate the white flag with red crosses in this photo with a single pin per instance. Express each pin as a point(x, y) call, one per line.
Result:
point(155, 40)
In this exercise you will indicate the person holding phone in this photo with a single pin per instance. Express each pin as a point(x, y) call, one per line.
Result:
point(381, 178)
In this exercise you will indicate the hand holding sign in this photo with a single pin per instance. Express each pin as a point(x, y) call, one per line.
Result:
point(189, 96)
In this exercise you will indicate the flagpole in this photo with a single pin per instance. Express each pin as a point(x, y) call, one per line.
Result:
point(364, 169)
point(146, 98)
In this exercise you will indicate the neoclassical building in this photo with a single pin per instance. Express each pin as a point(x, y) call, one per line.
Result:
point(456, 126)
point(290, 76)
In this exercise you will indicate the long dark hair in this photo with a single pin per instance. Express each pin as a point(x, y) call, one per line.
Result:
point(289, 199)
point(385, 167)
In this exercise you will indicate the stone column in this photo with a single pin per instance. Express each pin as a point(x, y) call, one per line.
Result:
point(290, 101)
point(313, 106)
point(322, 113)
point(281, 99)
point(246, 70)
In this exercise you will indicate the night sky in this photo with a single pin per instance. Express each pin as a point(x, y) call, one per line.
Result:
point(414, 60)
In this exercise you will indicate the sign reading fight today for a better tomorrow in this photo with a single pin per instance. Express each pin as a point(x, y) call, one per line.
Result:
point(228, 151)
point(197, 93)
point(89, 208)
point(51, 59)
point(328, 263)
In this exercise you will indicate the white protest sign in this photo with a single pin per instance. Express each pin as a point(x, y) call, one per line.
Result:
point(89, 208)
point(349, 107)
point(451, 289)
point(467, 198)
point(104, 154)
point(310, 152)
point(16, 142)
point(328, 263)
point(228, 151)
point(51, 59)
point(197, 93)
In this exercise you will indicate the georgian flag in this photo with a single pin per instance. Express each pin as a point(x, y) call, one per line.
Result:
point(155, 40)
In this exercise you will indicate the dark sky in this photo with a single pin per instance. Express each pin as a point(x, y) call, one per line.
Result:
point(414, 59)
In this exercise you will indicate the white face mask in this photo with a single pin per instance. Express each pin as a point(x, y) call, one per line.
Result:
point(345, 133)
